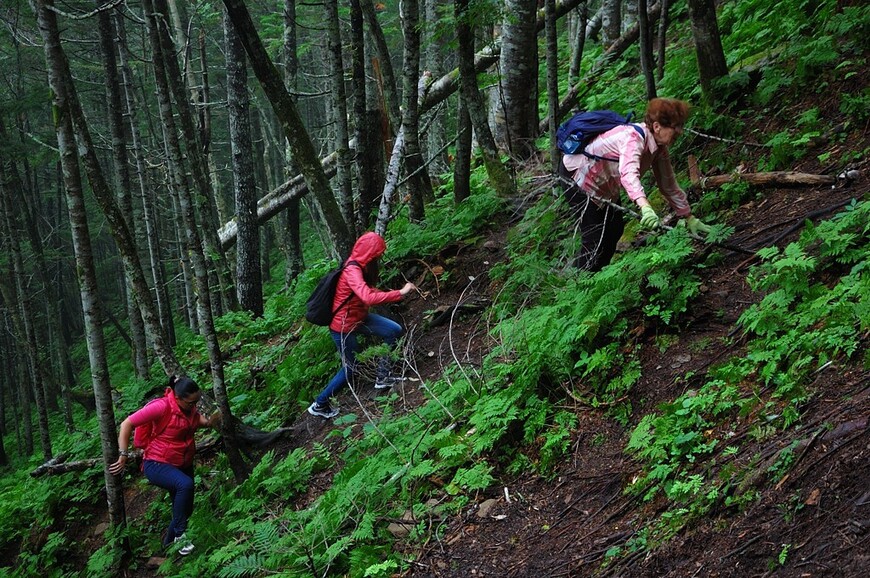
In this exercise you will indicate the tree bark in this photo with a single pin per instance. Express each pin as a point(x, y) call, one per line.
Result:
point(708, 44)
point(367, 146)
point(139, 349)
point(646, 52)
point(290, 229)
point(300, 143)
point(339, 116)
point(611, 22)
point(60, 81)
point(579, 43)
point(385, 66)
point(662, 38)
point(418, 177)
point(248, 274)
point(552, 81)
point(498, 174)
point(519, 74)
point(462, 162)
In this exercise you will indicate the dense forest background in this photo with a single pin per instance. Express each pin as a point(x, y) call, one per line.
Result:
point(176, 176)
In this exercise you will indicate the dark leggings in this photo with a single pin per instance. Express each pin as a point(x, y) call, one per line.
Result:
point(179, 483)
point(600, 227)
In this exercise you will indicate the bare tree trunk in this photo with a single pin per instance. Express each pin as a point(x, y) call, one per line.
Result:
point(195, 247)
point(498, 174)
point(708, 45)
point(611, 22)
point(290, 230)
point(662, 39)
point(339, 115)
point(300, 143)
point(139, 349)
point(367, 147)
point(21, 308)
point(248, 275)
point(385, 65)
point(579, 43)
point(59, 80)
point(647, 64)
point(462, 162)
point(435, 53)
point(418, 178)
point(519, 74)
point(204, 198)
point(552, 81)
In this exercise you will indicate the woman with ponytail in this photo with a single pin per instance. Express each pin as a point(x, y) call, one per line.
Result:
point(167, 426)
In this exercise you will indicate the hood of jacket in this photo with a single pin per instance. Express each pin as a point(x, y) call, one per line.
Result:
point(367, 248)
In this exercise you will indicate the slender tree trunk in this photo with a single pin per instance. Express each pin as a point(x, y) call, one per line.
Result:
point(122, 178)
point(204, 197)
point(579, 43)
point(611, 22)
point(21, 307)
point(552, 81)
point(647, 64)
point(519, 71)
point(59, 80)
point(339, 115)
point(146, 195)
point(366, 145)
point(418, 178)
point(662, 37)
point(498, 174)
point(462, 162)
point(389, 84)
point(290, 229)
point(708, 45)
point(300, 143)
point(248, 275)
point(195, 247)
point(435, 54)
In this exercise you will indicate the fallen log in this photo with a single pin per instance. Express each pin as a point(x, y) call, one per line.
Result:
point(59, 465)
point(773, 179)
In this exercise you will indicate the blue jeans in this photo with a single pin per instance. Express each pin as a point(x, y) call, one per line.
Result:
point(346, 343)
point(179, 482)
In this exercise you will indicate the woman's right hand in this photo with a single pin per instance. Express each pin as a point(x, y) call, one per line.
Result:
point(407, 288)
point(119, 466)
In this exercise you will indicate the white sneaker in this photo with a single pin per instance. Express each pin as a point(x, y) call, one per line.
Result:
point(185, 545)
point(325, 410)
point(387, 382)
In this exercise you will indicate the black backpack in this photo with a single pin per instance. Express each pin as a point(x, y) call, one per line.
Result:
point(318, 308)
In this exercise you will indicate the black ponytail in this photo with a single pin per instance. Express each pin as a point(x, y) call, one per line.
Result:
point(183, 386)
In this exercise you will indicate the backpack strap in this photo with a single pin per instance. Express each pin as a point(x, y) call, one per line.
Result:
point(598, 158)
point(345, 302)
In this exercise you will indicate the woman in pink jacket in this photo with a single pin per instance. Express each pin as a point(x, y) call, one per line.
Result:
point(616, 160)
point(168, 458)
point(353, 297)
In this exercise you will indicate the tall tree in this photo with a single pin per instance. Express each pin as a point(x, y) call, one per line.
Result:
point(519, 73)
point(339, 115)
point(60, 80)
point(248, 274)
point(292, 238)
point(611, 21)
point(646, 49)
point(498, 174)
point(122, 175)
point(300, 143)
point(552, 80)
point(367, 149)
point(708, 44)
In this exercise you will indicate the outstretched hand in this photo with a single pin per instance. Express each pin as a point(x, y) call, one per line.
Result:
point(118, 466)
point(648, 218)
point(407, 288)
point(695, 225)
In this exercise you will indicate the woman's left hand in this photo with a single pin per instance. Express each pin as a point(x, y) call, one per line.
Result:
point(695, 225)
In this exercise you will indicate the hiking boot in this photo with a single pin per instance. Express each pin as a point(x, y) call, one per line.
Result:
point(387, 382)
point(184, 545)
point(323, 410)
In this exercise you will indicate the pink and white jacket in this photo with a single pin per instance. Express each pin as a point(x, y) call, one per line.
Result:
point(603, 178)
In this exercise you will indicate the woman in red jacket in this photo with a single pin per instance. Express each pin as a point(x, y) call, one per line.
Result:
point(353, 297)
point(168, 458)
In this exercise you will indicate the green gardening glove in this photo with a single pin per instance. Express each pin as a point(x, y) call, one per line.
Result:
point(695, 225)
point(648, 218)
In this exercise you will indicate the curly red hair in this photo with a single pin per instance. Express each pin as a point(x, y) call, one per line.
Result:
point(669, 112)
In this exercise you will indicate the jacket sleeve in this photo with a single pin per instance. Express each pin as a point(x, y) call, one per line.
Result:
point(369, 295)
point(667, 181)
point(629, 165)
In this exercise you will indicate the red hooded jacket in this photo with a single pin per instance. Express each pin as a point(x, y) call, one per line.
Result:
point(367, 248)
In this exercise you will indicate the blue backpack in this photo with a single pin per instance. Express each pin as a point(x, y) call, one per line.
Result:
point(575, 134)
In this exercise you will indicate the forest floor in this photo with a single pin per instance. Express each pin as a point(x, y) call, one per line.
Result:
point(563, 525)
